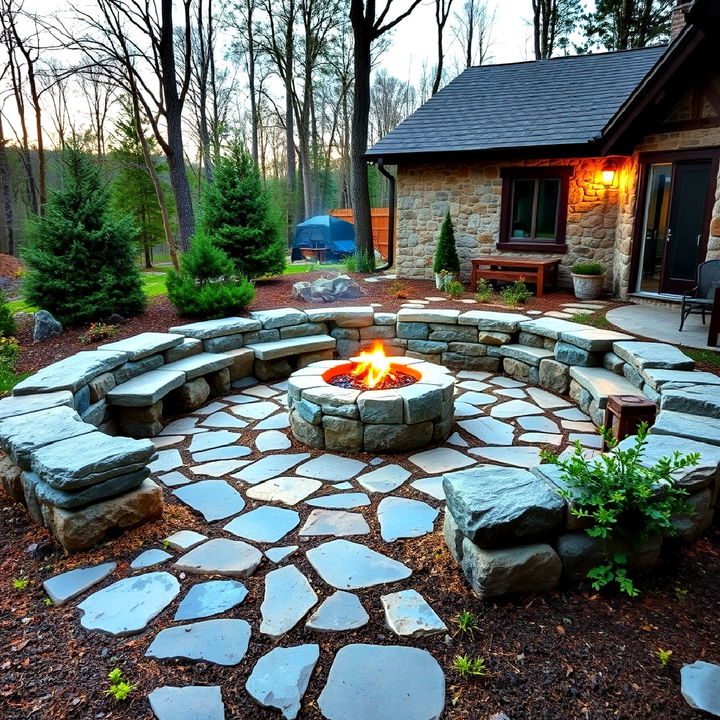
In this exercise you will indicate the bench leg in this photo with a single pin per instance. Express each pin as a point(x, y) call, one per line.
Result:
point(540, 281)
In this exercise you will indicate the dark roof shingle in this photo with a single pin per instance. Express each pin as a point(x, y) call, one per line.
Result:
point(562, 101)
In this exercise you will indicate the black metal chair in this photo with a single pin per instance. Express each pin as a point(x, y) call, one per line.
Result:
point(700, 298)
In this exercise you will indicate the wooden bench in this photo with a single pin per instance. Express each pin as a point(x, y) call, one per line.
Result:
point(536, 271)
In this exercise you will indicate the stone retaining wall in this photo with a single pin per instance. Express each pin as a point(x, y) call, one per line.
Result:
point(79, 477)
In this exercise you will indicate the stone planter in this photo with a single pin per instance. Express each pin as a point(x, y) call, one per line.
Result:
point(442, 279)
point(588, 287)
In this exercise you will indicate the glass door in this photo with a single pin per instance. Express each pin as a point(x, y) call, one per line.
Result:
point(655, 228)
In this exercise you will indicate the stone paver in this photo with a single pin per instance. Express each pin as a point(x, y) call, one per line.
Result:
point(221, 556)
point(220, 641)
point(340, 501)
point(227, 452)
point(222, 420)
point(213, 499)
point(408, 614)
point(70, 584)
point(288, 597)
point(265, 524)
point(270, 466)
point(341, 611)
point(439, 460)
point(430, 486)
point(286, 490)
point(185, 540)
point(270, 440)
point(218, 468)
point(700, 686)
point(338, 523)
point(209, 440)
point(332, 468)
point(383, 683)
point(278, 554)
point(404, 518)
point(384, 479)
point(255, 410)
point(525, 457)
point(488, 430)
point(194, 702)
point(128, 605)
point(280, 678)
point(280, 421)
point(515, 408)
point(210, 598)
point(149, 558)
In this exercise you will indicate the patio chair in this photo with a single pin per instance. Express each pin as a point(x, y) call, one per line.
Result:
point(700, 298)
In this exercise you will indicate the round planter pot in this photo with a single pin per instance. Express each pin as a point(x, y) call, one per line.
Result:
point(442, 279)
point(588, 287)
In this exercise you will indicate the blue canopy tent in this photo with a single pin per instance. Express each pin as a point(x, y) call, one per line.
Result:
point(324, 238)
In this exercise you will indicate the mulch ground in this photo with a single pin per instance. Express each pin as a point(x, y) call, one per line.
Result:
point(571, 654)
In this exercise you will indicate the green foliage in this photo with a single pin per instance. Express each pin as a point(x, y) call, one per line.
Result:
point(446, 257)
point(594, 319)
point(469, 667)
point(362, 262)
point(626, 501)
point(81, 258)
point(485, 291)
point(627, 24)
point(515, 293)
point(681, 593)
point(236, 215)
point(48, 602)
point(9, 352)
point(589, 268)
point(119, 688)
point(206, 285)
point(706, 357)
point(20, 583)
point(133, 192)
point(454, 288)
point(98, 331)
point(466, 623)
point(664, 656)
point(7, 324)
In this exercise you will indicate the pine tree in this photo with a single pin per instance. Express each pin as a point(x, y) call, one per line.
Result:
point(133, 193)
point(446, 257)
point(237, 217)
point(8, 327)
point(81, 258)
point(206, 285)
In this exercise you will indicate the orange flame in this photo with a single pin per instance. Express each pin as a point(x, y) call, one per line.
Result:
point(373, 366)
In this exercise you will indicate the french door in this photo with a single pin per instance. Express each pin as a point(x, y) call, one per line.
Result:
point(678, 202)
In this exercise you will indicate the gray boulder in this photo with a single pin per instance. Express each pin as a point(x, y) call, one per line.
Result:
point(337, 287)
point(495, 506)
point(700, 686)
point(46, 326)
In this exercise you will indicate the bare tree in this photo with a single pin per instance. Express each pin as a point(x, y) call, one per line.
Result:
point(99, 97)
point(553, 22)
point(6, 190)
point(442, 13)
point(367, 27)
point(392, 101)
point(472, 29)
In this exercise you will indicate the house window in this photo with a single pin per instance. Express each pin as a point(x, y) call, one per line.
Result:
point(534, 209)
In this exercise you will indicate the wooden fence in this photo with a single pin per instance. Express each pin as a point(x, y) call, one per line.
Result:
point(380, 219)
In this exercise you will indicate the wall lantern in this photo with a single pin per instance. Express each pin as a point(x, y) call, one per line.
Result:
point(608, 173)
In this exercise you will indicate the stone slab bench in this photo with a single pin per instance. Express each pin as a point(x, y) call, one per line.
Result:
point(146, 389)
point(144, 344)
point(600, 383)
point(292, 346)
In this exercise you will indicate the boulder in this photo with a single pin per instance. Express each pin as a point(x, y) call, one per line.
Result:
point(699, 684)
point(10, 479)
point(337, 287)
point(495, 506)
point(46, 326)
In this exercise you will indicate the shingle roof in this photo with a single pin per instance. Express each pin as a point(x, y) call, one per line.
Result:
point(562, 101)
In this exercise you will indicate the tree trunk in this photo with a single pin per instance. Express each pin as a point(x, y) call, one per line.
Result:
point(250, 5)
point(6, 191)
point(175, 154)
point(289, 119)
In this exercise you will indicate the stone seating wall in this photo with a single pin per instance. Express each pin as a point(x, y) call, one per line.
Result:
point(65, 429)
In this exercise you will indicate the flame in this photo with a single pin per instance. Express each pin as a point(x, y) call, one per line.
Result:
point(373, 366)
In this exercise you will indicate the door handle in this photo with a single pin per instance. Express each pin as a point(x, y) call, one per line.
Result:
point(669, 235)
point(698, 240)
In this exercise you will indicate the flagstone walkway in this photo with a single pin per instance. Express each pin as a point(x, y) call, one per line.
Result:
point(268, 506)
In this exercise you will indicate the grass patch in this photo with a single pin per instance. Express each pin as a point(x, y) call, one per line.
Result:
point(593, 319)
point(9, 379)
point(704, 357)
point(154, 283)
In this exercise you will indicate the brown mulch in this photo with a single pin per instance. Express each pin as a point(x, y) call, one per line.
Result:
point(10, 267)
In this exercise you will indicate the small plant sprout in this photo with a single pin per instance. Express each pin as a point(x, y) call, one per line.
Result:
point(20, 583)
point(681, 593)
point(664, 656)
point(469, 667)
point(466, 623)
point(119, 688)
point(48, 602)
point(484, 291)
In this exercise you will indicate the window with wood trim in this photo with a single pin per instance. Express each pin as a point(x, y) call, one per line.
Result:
point(534, 208)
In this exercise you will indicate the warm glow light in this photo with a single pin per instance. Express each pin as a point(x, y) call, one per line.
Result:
point(608, 178)
point(373, 366)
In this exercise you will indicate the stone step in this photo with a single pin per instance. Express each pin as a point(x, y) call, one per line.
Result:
point(428, 315)
point(200, 364)
point(600, 383)
point(144, 344)
point(694, 427)
point(292, 346)
point(24, 404)
point(642, 355)
point(492, 321)
point(526, 353)
point(662, 379)
point(279, 317)
point(593, 339)
point(207, 329)
point(692, 400)
point(146, 389)
point(550, 327)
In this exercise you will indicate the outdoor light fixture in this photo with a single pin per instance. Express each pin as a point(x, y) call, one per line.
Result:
point(607, 174)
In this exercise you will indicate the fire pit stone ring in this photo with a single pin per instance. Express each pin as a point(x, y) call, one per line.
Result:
point(328, 417)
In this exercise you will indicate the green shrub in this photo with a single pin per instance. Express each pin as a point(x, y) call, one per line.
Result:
point(515, 294)
point(589, 268)
point(625, 500)
point(360, 261)
point(484, 291)
point(9, 352)
point(8, 327)
point(454, 288)
point(446, 257)
point(81, 258)
point(206, 286)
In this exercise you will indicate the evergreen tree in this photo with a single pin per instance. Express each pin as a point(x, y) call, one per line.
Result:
point(81, 258)
point(133, 193)
point(628, 24)
point(236, 216)
point(206, 286)
point(8, 326)
point(446, 257)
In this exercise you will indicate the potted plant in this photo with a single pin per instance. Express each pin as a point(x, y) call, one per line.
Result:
point(447, 262)
point(588, 280)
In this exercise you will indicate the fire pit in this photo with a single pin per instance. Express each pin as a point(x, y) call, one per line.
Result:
point(371, 403)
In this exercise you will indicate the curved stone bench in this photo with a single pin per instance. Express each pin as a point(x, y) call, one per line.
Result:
point(128, 386)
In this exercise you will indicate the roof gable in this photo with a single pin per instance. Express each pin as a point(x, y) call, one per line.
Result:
point(564, 101)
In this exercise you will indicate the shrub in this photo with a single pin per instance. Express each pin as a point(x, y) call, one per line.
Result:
point(454, 288)
point(484, 291)
point(9, 352)
point(236, 215)
point(625, 500)
point(8, 327)
point(446, 257)
point(589, 268)
point(98, 331)
point(515, 293)
point(469, 667)
point(360, 261)
point(81, 258)
point(206, 286)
